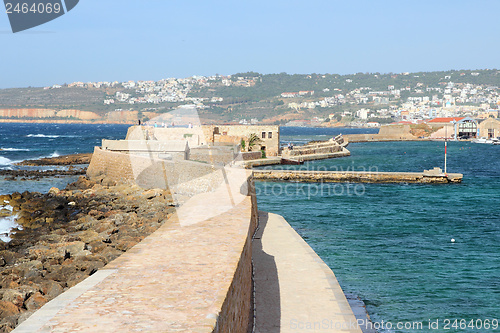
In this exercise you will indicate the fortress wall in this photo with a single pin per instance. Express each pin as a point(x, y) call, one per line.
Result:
point(386, 133)
point(236, 314)
point(193, 274)
point(213, 155)
point(147, 172)
point(115, 166)
point(234, 294)
point(251, 155)
point(195, 136)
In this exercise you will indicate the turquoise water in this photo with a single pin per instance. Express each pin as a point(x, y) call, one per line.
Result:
point(391, 243)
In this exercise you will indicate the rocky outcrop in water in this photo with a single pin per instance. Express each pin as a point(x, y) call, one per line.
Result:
point(72, 159)
point(68, 235)
point(40, 174)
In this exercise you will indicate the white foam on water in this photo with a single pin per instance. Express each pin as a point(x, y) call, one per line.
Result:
point(55, 154)
point(52, 136)
point(42, 136)
point(14, 149)
point(5, 161)
point(7, 224)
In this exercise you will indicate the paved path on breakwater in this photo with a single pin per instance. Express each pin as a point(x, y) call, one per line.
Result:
point(175, 280)
point(357, 176)
point(295, 291)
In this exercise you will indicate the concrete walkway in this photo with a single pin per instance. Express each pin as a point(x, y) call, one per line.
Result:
point(295, 291)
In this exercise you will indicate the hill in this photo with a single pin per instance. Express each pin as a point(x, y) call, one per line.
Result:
point(274, 98)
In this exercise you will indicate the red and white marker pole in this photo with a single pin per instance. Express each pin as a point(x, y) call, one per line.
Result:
point(445, 145)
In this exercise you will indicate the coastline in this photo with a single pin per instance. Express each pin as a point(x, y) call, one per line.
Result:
point(67, 235)
point(393, 140)
point(62, 121)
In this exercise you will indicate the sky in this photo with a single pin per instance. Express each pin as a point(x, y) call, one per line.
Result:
point(121, 40)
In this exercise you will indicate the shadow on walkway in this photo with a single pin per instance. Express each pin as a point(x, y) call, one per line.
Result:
point(267, 289)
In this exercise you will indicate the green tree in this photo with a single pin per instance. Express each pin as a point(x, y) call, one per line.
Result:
point(253, 139)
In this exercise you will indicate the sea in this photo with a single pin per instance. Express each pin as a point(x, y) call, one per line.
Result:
point(423, 258)
point(25, 141)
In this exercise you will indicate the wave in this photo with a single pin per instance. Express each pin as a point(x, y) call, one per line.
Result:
point(14, 149)
point(6, 226)
point(52, 136)
point(54, 154)
point(42, 136)
point(5, 161)
point(7, 223)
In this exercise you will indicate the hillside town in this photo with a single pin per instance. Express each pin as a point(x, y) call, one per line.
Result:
point(351, 105)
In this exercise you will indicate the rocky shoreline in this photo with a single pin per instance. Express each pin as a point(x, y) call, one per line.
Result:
point(60, 160)
point(23, 175)
point(67, 160)
point(67, 235)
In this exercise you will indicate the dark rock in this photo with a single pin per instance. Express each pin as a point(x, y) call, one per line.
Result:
point(125, 243)
point(76, 278)
point(51, 289)
point(8, 309)
point(14, 296)
point(9, 257)
point(110, 254)
point(25, 315)
point(35, 301)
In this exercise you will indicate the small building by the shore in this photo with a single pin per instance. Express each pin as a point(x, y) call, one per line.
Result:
point(489, 128)
point(450, 127)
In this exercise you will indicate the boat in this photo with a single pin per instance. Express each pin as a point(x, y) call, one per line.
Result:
point(482, 140)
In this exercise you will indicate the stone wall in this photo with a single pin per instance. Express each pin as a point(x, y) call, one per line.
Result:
point(147, 172)
point(236, 314)
point(211, 134)
point(195, 136)
point(234, 308)
point(214, 155)
point(167, 150)
point(311, 149)
point(386, 133)
point(251, 155)
point(193, 274)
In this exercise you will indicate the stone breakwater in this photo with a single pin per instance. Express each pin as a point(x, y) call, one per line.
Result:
point(67, 235)
point(356, 176)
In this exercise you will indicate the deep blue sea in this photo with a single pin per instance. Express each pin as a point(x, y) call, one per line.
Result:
point(20, 141)
point(391, 244)
point(388, 243)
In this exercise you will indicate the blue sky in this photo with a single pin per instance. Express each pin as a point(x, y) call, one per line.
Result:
point(107, 40)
